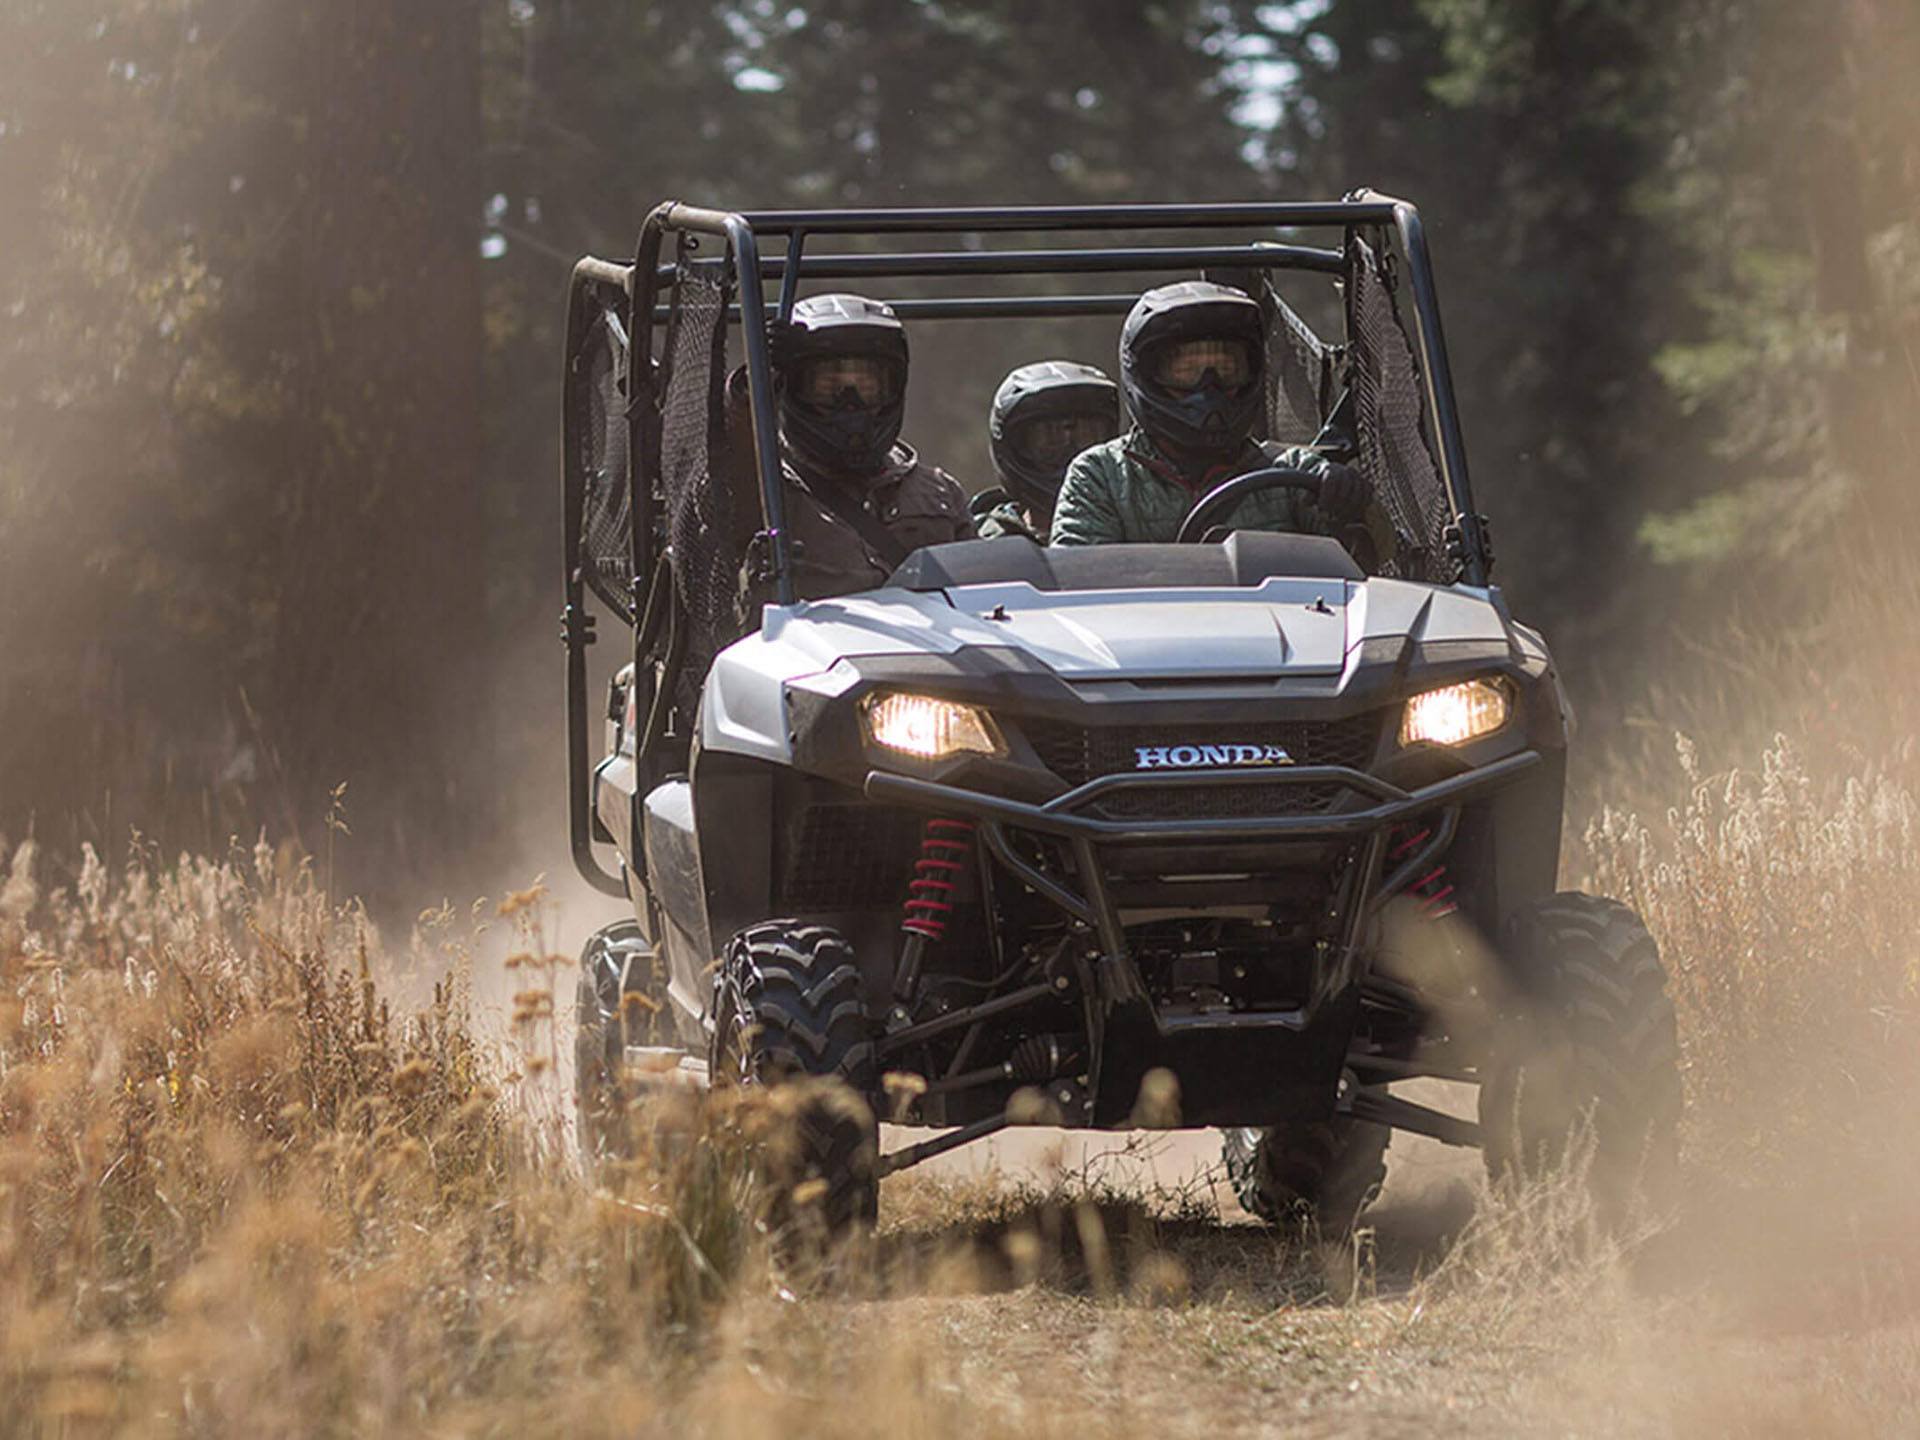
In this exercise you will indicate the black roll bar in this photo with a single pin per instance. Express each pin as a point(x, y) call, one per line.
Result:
point(576, 623)
point(976, 307)
point(1373, 210)
point(1050, 262)
point(742, 230)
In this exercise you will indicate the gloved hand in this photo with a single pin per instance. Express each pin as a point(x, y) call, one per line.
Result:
point(1344, 493)
point(779, 353)
point(780, 341)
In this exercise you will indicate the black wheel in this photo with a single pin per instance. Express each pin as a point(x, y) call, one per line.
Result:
point(788, 1009)
point(1321, 1174)
point(1586, 1045)
point(615, 963)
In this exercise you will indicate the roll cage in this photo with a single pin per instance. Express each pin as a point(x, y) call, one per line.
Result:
point(624, 306)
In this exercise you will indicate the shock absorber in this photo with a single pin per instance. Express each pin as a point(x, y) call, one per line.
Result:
point(945, 847)
point(1434, 890)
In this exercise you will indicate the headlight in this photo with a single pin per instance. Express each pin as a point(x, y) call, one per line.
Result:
point(932, 729)
point(1455, 714)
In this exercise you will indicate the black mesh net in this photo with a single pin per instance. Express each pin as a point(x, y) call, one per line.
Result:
point(600, 438)
point(1297, 360)
point(706, 561)
point(1395, 454)
point(1297, 377)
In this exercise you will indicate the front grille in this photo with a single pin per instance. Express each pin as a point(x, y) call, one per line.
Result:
point(1218, 802)
point(1079, 753)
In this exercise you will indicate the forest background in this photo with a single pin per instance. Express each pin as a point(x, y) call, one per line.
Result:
point(280, 308)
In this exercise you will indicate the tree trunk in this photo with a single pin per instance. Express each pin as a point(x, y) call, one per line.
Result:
point(380, 654)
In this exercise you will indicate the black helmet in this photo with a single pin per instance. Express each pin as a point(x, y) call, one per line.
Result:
point(843, 382)
point(1032, 459)
point(1191, 357)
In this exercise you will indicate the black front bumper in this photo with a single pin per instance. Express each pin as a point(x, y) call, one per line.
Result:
point(1064, 819)
point(1234, 1068)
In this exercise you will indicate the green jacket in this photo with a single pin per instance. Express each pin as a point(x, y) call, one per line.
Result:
point(996, 513)
point(1127, 490)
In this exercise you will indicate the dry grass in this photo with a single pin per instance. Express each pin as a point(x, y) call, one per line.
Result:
point(242, 1193)
point(1785, 904)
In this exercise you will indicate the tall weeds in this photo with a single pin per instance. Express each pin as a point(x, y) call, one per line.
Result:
point(240, 1194)
point(1785, 907)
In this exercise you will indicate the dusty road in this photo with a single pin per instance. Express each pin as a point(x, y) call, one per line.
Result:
point(1185, 1163)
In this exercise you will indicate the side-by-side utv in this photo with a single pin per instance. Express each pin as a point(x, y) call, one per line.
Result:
point(1271, 816)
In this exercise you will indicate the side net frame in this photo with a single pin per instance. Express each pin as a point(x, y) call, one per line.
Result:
point(1393, 433)
point(598, 392)
point(699, 509)
point(1299, 367)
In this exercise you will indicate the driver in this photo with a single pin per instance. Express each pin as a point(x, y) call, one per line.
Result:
point(1191, 356)
point(859, 500)
point(1043, 415)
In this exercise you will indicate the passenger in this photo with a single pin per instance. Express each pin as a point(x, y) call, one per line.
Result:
point(1191, 367)
point(858, 498)
point(1043, 415)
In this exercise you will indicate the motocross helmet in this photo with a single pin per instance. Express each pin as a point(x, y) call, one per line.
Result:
point(1043, 415)
point(843, 382)
point(1191, 360)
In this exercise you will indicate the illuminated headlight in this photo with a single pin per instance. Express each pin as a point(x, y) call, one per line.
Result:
point(1455, 714)
point(929, 728)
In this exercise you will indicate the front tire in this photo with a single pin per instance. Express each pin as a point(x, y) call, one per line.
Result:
point(1586, 1047)
point(788, 1010)
point(1321, 1174)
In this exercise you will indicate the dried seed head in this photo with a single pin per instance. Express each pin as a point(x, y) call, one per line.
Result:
point(1157, 1106)
point(1023, 1253)
point(519, 900)
point(809, 1192)
point(1031, 1106)
point(903, 1088)
point(904, 1082)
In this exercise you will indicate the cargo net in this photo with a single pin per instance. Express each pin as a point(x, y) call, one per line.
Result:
point(1297, 370)
point(1394, 452)
point(1297, 360)
point(706, 559)
point(600, 459)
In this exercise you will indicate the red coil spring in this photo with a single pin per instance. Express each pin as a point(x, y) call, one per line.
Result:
point(943, 857)
point(1434, 890)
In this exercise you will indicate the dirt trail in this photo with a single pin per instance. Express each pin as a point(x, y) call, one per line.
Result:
point(1181, 1163)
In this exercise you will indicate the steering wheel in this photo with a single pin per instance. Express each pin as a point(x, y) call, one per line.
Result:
point(1221, 501)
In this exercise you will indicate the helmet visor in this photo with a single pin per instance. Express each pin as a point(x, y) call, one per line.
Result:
point(1185, 364)
point(1050, 441)
point(826, 381)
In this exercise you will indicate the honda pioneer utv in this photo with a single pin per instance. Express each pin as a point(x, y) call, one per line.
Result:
point(1273, 815)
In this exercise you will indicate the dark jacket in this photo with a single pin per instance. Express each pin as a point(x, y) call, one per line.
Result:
point(906, 504)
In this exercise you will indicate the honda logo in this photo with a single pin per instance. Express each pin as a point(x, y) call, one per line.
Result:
point(1207, 757)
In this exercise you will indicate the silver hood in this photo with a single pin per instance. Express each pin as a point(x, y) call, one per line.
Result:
point(1281, 627)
